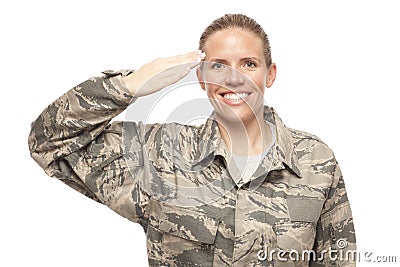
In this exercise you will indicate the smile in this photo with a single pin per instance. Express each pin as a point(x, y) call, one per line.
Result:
point(235, 97)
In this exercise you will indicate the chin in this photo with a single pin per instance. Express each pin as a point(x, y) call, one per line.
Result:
point(230, 116)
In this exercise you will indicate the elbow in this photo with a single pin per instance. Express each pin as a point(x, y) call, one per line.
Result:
point(36, 147)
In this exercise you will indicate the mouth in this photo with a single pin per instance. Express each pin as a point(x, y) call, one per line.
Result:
point(231, 98)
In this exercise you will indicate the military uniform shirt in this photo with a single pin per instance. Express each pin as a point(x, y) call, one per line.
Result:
point(172, 179)
point(247, 165)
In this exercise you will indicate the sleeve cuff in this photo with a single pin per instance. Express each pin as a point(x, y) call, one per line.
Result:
point(115, 77)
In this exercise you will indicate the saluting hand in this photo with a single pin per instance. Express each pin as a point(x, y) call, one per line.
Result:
point(161, 72)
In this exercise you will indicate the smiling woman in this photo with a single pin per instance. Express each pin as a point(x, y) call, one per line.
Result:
point(233, 191)
point(235, 79)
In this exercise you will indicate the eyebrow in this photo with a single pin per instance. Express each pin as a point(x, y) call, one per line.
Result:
point(242, 59)
point(217, 60)
point(251, 58)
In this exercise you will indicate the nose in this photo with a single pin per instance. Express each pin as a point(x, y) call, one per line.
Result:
point(234, 77)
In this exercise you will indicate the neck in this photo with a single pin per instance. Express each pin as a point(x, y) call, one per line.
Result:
point(246, 138)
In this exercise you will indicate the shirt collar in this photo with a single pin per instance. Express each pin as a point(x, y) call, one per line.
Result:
point(285, 154)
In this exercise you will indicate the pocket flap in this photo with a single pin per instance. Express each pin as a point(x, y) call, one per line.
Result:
point(304, 209)
point(188, 223)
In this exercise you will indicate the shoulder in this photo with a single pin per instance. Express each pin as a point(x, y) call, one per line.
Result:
point(170, 131)
point(306, 144)
point(152, 131)
point(157, 135)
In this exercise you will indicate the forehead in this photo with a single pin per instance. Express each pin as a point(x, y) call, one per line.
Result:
point(236, 41)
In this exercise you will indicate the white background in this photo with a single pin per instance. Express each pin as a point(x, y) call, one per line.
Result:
point(338, 78)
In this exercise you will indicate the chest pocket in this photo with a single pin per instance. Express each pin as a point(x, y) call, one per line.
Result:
point(185, 237)
point(297, 234)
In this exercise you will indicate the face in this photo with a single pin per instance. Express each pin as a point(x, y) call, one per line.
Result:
point(235, 74)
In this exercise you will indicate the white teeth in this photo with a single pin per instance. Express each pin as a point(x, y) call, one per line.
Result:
point(235, 97)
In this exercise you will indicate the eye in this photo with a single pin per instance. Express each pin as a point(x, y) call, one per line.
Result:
point(217, 66)
point(250, 64)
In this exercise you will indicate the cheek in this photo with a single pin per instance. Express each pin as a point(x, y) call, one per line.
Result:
point(211, 89)
point(259, 79)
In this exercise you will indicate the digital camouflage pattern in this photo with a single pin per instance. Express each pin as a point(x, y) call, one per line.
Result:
point(296, 200)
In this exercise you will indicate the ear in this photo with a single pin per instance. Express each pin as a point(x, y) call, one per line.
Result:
point(200, 78)
point(271, 75)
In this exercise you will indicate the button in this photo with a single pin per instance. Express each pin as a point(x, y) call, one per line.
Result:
point(333, 235)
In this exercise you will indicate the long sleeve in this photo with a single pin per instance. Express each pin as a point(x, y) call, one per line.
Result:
point(73, 120)
point(335, 237)
point(73, 140)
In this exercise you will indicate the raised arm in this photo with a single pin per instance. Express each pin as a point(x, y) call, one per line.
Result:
point(73, 140)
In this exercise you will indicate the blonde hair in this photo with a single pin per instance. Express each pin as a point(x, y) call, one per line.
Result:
point(238, 21)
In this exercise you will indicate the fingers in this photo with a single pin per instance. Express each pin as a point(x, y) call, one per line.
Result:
point(195, 58)
point(162, 72)
point(192, 59)
point(177, 67)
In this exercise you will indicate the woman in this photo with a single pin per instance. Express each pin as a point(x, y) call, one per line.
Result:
point(281, 201)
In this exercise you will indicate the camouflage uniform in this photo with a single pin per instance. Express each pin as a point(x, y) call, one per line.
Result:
point(300, 204)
